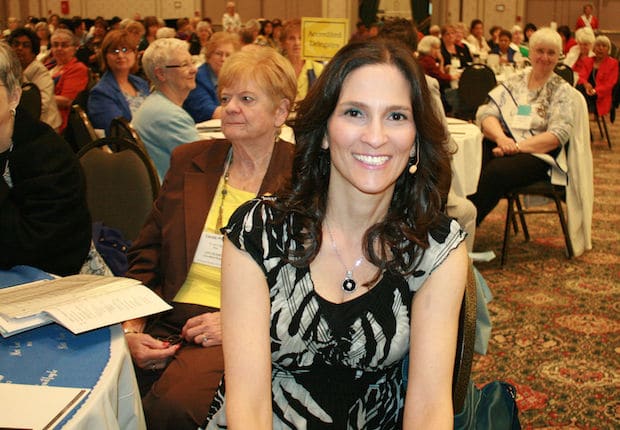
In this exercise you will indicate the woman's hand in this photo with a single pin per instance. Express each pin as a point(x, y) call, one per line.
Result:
point(148, 352)
point(205, 329)
point(505, 146)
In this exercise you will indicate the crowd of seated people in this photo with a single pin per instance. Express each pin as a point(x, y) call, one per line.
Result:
point(165, 80)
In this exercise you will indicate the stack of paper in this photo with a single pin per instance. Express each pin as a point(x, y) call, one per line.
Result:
point(79, 303)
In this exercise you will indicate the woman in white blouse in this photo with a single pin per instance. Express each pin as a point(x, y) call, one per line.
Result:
point(526, 124)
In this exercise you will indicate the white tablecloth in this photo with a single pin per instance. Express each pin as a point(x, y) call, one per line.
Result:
point(467, 160)
point(97, 360)
point(114, 403)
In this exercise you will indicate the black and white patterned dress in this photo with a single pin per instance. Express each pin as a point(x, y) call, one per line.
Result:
point(335, 366)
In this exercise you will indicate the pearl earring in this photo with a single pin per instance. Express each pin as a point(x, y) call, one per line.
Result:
point(413, 166)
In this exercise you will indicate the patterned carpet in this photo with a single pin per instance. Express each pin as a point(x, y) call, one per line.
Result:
point(556, 325)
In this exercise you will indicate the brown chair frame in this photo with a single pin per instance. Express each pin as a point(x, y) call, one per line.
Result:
point(80, 131)
point(466, 339)
point(121, 127)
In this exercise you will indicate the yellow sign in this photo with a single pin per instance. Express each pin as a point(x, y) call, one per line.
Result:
point(323, 37)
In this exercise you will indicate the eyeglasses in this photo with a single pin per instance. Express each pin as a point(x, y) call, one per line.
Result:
point(118, 51)
point(178, 66)
point(63, 45)
point(17, 44)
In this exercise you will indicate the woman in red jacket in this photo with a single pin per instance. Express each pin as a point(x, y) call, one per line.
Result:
point(598, 77)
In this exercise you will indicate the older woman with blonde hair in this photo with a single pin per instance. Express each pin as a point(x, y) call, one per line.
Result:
point(179, 355)
point(202, 102)
point(118, 92)
point(527, 123)
point(598, 77)
point(576, 56)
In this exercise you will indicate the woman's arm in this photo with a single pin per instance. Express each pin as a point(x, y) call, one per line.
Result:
point(434, 325)
point(245, 316)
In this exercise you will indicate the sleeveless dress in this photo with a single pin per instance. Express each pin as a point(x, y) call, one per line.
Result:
point(334, 366)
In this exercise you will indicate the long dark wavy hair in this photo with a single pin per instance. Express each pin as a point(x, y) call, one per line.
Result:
point(398, 241)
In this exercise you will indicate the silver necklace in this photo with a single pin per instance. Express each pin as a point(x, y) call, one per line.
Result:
point(348, 284)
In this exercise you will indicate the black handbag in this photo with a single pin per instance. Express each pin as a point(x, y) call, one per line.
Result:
point(493, 407)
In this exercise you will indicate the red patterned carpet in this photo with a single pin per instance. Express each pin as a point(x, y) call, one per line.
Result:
point(556, 325)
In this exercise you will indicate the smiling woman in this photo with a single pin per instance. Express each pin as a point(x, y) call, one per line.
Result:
point(118, 92)
point(527, 123)
point(161, 121)
point(326, 288)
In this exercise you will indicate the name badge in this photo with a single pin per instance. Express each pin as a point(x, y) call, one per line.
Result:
point(523, 119)
point(209, 251)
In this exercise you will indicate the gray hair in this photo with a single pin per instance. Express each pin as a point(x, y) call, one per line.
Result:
point(201, 24)
point(165, 33)
point(427, 43)
point(603, 40)
point(546, 36)
point(10, 69)
point(584, 35)
point(158, 54)
point(63, 32)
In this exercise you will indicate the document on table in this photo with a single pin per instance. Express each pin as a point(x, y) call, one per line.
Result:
point(36, 406)
point(79, 303)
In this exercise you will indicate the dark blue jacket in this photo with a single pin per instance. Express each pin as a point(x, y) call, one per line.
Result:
point(106, 101)
point(202, 100)
point(510, 56)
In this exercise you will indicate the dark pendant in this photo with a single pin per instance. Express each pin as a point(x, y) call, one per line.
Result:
point(349, 285)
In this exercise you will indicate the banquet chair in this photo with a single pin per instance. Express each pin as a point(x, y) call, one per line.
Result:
point(565, 73)
point(121, 183)
point(515, 207)
point(474, 85)
point(120, 127)
point(466, 338)
point(31, 99)
point(603, 131)
point(79, 132)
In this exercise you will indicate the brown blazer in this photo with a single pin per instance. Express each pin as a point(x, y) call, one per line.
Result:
point(163, 252)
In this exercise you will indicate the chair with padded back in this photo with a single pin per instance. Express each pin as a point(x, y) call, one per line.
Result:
point(466, 339)
point(121, 127)
point(474, 85)
point(121, 183)
point(565, 73)
point(465, 342)
point(79, 132)
point(31, 99)
point(546, 189)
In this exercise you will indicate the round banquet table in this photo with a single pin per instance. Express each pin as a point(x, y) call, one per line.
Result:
point(467, 160)
point(98, 360)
